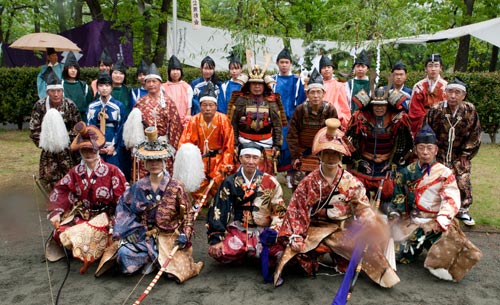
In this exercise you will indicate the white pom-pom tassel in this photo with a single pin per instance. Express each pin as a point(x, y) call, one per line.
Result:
point(54, 137)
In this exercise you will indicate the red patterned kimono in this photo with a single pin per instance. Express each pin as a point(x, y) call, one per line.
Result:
point(310, 215)
point(163, 115)
point(97, 191)
point(216, 143)
point(423, 98)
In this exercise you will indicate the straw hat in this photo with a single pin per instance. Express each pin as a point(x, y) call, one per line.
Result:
point(152, 149)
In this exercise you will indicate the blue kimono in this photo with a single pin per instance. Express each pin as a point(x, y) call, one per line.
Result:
point(114, 125)
point(227, 90)
point(291, 89)
point(198, 86)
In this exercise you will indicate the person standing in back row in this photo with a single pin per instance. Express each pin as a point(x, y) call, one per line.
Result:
point(427, 92)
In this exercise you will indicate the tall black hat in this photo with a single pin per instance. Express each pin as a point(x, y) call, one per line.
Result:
point(208, 93)
point(315, 81)
point(119, 66)
point(143, 67)
point(425, 135)
point(71, 60)
point(174, 63)
point(362, 59)
point(52, 80)
point(153, 73)
point(325, 61)
point(106, 58)
point(284, 54)
point(399, 66)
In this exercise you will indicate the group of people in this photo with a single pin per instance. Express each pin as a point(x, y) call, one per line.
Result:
point(367, 165)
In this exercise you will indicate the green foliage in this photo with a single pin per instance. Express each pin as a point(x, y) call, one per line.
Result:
point(19, 93)
point(18, 87)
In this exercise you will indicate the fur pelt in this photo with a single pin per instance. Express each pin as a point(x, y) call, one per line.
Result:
point(54, 137)
point(188, 167)
point(133, 130)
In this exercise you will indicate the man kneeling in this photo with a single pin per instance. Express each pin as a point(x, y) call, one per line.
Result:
point(427, 197)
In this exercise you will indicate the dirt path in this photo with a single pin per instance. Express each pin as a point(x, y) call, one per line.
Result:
point(24, 277)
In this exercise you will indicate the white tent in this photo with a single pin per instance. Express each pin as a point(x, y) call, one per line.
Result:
point(194, 44)
point(488, 31)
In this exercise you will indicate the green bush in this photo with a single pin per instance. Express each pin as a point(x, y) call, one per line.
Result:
point(18, 91)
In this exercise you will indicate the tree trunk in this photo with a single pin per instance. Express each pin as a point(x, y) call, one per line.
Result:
point(78, 17)
point(494, 59)
point(95, 9)
point(147, 33)
point(2, 8)
point(161, 41)
point(36, 10)
point(462, 59)
point(60, 16)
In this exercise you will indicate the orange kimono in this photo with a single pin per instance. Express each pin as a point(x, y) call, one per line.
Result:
point(216, 143)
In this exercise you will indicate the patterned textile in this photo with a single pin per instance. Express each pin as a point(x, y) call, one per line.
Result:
point(336, 95)
point(166, 119)
point(216, 143)
point(422, 98)
point(303, 127)
point(312, 218)
point(465, 130)
point(182, 95)
point(422, 195)
point(137, 213)
point(258, 205)
point(431, 190)
point(53, 166)
point(382, 143)
point(87, 240)
point(350, 199)
point(97, 191)
point(291, 90)
point(113, 127)
point(240, 243)
point(257, 120)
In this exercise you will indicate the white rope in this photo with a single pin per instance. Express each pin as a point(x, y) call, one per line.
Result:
point(377, 67)
point(451, 138)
